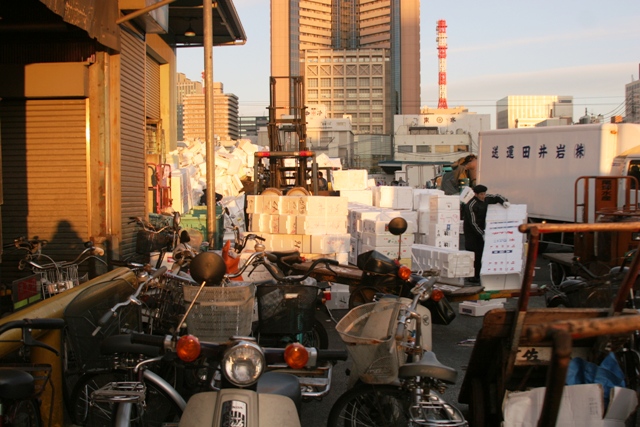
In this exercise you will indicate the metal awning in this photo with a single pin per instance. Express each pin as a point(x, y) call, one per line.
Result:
point(184, 14)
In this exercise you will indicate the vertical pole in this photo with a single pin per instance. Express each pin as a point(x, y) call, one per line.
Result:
point(207, 16)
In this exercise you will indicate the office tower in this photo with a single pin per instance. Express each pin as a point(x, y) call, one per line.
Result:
point(360, 58)
point(226, 124)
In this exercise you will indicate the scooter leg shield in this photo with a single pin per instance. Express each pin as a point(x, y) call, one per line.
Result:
point(239, 407)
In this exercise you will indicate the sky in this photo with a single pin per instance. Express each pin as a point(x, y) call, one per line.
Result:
point(586, 49)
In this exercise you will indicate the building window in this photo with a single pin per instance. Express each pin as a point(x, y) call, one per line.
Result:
point(376, 81)
point(423, 148)
point(352, 105)
point(338, 105)
point(325, 93)
point(376, 93)
point(313, 94)
point(364, 106)
point(376, 129)
point(338, 82)
point(364, 94)
point(405, 148)
point(312, 82)
point(352, 93)
point(365, 118)
point(338, 93)
point(376, 104)
point(325, 82)
point(352, 82)
point(364, 82)
point(377, 117)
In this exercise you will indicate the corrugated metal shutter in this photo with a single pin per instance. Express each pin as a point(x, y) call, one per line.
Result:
point(153, 89)
point(44, 163)
point(132, 83)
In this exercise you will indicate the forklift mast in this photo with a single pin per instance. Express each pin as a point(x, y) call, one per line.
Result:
point(290, 164)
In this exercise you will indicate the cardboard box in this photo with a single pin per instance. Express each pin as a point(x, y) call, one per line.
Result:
point(478, 308)
point(581, 406)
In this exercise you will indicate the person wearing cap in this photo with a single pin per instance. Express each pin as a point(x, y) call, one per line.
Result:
point(463, 169)
point(474, 215)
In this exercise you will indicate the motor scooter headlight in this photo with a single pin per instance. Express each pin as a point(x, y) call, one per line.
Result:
point(243, 364)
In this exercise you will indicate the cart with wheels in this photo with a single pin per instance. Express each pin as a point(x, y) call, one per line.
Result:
point(507, 356)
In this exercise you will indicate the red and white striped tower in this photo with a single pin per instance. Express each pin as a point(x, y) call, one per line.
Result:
point(442, 63)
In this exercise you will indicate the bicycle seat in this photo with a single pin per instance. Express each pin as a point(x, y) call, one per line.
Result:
point(15, 384)
point(429, 366)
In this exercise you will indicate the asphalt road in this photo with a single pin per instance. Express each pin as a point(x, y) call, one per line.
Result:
point(449, 344)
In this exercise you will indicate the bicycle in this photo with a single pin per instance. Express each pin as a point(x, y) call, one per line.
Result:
point(117, 385)
point(151, 239)
point(55, 276)
point(22, 383)
point(396, 379)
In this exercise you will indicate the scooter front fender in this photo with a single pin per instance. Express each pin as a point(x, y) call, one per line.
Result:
point(241, 408)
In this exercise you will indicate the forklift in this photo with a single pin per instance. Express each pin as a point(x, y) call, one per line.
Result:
point(288, 167)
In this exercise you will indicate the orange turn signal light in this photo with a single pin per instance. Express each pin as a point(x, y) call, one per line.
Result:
point(437, 295)
point(404, 272)
point(296, 355)
point(188, 348)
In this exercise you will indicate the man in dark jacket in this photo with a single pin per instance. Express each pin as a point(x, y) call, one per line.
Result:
point(474, 215)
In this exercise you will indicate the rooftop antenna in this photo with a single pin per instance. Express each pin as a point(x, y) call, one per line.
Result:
point(442, 63)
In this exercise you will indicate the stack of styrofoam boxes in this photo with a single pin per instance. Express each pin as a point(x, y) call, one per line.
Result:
point(422, 205)
point(393, 197)
point(314, 225)
point(354, 185)
point(451, 263)
point(480, 307)
point(368, 229)
point(503, 256)
point(444, 222)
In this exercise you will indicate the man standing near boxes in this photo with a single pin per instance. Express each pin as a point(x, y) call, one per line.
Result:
point(474, 215)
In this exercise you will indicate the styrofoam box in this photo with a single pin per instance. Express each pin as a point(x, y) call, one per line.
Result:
point(308, 224)
point(443, 242)
point(254, 204)
point(359, 196)
point(329, 244)
point(288, 224)
point(421, 197)
point(341, 257)
point(339, 297)
point(497, 282)
point(385, 239)
point(352, 179)
point(472, 308)
point(444, 230)
point(445, 203)
point(389, 251)
point(394, 197)
point(289, 242)
point(424, 221)
point(444, 217)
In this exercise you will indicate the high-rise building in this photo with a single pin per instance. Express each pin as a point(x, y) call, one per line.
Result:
point(249, 126)
point(522, 111)
point(185, 87)
point(226, 124)
point(359, 58)
point(632, 104)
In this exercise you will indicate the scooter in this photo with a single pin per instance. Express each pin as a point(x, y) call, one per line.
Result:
point(381, 274)
point(246, 394)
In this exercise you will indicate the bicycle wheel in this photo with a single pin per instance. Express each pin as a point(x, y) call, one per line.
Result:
point(373, 406)
point(160, 408)
point(317, 337)
point(26, 413)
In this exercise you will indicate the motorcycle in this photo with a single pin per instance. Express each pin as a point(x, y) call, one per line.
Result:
point(381, 274)
point(244, 394)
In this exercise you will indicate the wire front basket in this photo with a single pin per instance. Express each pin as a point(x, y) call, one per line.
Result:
point(56, 279)
point(369, 332)
point(220, 312)
point(286, 309)
point(164, 303)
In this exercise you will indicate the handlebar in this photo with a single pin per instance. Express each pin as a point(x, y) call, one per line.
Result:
point(28, 324)
point(132, 299)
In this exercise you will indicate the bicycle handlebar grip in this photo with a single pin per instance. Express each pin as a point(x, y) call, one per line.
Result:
point(44, 323)
point(151, 340)
point(292, 259)
point(332, 354)
point(105, 317)
point(159, 272)
point(98, 251)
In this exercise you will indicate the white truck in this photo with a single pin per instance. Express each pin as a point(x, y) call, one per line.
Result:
point(539, 166)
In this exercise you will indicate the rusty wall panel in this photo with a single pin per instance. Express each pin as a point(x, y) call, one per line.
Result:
point(153, 89)
point(132, 110)
point(44, 163)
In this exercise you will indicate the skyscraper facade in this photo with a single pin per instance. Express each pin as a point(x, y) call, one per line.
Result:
point(359, 58)
point(226, 123)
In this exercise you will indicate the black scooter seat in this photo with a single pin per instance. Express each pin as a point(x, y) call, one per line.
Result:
point(429, 366)
point(122, 344)
point(15, 384)
point(281, 384)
